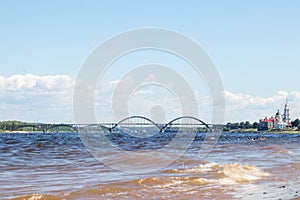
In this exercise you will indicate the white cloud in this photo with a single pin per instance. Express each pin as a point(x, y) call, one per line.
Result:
point(36, 98)
point(21, 82)
point(241, 107)
point(49, 98)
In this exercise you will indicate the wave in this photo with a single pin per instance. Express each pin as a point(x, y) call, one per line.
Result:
point(226, 173)
point(38, 197)
point(204, 180)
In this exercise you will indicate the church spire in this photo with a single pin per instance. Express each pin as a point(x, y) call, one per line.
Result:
point(286, 114)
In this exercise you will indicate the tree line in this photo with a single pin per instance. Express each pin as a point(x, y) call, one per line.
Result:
point(13, 125)
point(247, 125)
point(10, 125)
point(242, 125)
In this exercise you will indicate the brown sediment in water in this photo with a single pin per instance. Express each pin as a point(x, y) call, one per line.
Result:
point(219, 183)
point(58, 166)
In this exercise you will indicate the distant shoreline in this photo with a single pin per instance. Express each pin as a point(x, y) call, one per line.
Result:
point(270, 131)
point(231, 131)
point(21, 132)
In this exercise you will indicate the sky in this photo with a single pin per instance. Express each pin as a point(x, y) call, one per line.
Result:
point(254, 45)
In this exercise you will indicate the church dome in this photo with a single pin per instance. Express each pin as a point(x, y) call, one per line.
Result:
point(278, 113)
point(278, 116)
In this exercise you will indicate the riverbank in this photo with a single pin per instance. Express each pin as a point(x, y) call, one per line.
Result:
point(270, 131)
point(21, 132)
point(24, 132)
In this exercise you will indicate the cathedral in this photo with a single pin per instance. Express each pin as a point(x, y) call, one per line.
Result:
point(277, 122)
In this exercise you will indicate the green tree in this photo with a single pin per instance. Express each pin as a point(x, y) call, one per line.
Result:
point(296, 123)
point(247, 125)
point(227, 127)
point(235, 126)
point(242, 125)
point(255, 125)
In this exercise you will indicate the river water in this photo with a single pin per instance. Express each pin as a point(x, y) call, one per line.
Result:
point(240, 166)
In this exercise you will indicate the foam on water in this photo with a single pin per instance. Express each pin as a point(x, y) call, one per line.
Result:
point(243, 173)
point(226, 173)
point(38, 197)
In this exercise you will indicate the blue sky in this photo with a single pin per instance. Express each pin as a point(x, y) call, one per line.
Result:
point(255, 45)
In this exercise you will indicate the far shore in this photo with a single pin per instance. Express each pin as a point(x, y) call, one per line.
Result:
point(21, 131)
point(269, 131)
point(231, 131)
point(34, 132)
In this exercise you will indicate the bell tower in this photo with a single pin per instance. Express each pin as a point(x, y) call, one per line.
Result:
point(286, 114)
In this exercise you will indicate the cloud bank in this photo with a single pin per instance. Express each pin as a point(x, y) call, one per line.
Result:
point(49, 99)
point(247, 107)
point(36, 98)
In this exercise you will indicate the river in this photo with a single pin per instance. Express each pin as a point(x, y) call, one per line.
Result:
point(239, 166)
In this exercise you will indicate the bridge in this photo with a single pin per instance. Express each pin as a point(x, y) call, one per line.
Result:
point(176, 124)
point(184, 121)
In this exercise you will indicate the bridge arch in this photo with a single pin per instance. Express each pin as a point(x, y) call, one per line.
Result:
point(184, 117)
point(136, 117)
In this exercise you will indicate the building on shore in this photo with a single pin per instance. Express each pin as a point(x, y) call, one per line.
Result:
point(286, 115)
point(278, 122)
